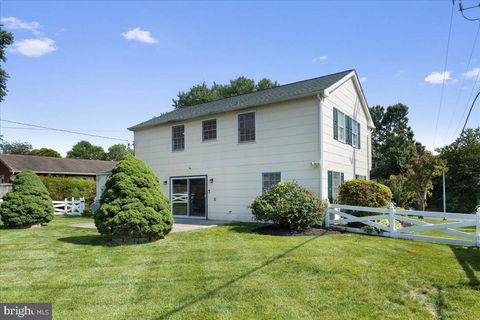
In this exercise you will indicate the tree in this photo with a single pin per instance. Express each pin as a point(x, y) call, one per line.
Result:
point(28, 203)
point(118, 152)
point(420, 171)
point(133, 207)
point(393, 142)
point(202, 93)
point(463, 177)
point(402, 194)
point(6, 39)
point(16, 147)
point(45, 152)
point(85, 150)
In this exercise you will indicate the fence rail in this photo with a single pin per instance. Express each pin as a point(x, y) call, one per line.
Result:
point(70, 207)
point(339, 216)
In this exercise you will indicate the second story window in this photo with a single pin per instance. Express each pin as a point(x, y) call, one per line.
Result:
point(345, 129)
point(178, 138)
point(209, 130)
point(246, 127)
point(339, 125)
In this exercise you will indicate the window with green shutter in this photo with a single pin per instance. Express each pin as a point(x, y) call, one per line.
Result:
point(335, 124)
point(335, 179)
point(348, 139)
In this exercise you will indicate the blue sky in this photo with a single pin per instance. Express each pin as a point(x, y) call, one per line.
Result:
point(102, 66)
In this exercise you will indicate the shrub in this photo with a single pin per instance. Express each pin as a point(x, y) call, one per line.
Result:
point(60, 188)
point(28, 203)
point(364, 193)
point(133, 206)
point(289, 205)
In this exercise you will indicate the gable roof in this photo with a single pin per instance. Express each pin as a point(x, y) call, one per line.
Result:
point(46, 165)
point(281, 93)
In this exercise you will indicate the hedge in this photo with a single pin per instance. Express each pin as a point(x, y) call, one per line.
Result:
point(60, 188)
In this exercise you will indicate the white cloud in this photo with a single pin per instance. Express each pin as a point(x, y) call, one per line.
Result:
point(319, 59)
point(475, 72)
point(140, 35)
point(34, 47)
point(438, 77)
point(15, 23)
point(363, 79)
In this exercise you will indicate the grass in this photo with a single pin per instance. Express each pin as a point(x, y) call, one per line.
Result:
point(229, 272)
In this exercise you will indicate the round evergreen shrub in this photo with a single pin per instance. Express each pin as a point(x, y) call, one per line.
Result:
point(289, 205)
point(364, 193)
point(27, 204)
point(133, 208)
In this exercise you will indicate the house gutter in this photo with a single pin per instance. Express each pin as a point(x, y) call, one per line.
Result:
point(321, 98)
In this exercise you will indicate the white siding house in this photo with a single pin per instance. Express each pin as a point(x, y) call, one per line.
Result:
point(213, 159)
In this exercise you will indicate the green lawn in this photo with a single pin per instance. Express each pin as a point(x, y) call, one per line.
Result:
point(229, 272)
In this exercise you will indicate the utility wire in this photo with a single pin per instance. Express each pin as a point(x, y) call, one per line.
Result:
point(444, 73)
point(469, 112)
point(462, 9)
point(65, 130)
point(461, 86)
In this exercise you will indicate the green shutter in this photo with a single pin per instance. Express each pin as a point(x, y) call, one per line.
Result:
point(335, 124)
point(342, 178)
point(348, 131)
point(359, 135)
point(330, 186)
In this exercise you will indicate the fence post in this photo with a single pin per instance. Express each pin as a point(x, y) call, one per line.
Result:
point(477, 229)
point(391, 219)
point(82, 205)
point(72, 208)
point(65, 206)
point(327, 218)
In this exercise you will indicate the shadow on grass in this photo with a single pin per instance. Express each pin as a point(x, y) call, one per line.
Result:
point(92, 240)
point(244, 227)
point(213, 292)
point(469, 260)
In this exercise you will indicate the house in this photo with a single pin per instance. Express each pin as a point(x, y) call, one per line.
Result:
point(212, 159)
point(11, 164)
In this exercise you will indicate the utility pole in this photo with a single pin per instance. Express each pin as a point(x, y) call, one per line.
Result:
point(444, 193)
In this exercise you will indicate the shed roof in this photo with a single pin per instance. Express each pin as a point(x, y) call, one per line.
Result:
point(17, 163)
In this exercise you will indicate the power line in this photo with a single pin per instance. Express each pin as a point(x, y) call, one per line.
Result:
point(461, 86)
point(461, 8)
point(444, 76)
point(469, 112)
point(65, 130)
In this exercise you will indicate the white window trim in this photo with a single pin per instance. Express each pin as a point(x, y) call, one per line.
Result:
point(338, 175)
point(238, 131)
point(343, 126)
point(355, 134)
point(216, 130)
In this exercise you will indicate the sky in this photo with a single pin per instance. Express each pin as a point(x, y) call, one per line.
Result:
point(100, 67)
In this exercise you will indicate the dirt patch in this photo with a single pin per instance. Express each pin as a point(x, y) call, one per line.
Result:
point(276, 231)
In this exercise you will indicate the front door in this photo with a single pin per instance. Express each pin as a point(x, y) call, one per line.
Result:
point(188, 197)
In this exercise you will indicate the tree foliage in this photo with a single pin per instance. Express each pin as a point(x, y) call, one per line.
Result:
point(202, 93)
point(60, 188)
point(133, 206)
point(85, 150)
point(28, 202)
point(420, 172)
point(463, 176)
point(402, 193)
point(364, 193)
point(118, 152)
point(45, 152)
point(393, 142)
point(15, 147)
point(6, 39)
point(289, 205)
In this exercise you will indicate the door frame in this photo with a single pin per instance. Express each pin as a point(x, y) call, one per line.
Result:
point(205, 177)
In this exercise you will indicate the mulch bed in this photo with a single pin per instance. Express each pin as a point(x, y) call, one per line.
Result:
point(276, 231)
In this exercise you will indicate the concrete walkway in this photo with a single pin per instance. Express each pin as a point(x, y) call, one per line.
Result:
point(180, 225)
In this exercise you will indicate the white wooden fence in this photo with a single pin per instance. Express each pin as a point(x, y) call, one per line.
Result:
point(335, 218)
point(70, 207)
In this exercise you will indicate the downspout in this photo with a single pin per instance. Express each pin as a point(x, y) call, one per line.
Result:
point(321, 99)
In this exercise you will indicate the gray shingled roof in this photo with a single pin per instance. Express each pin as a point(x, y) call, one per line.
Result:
point(282, 93)
point(17, 163)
